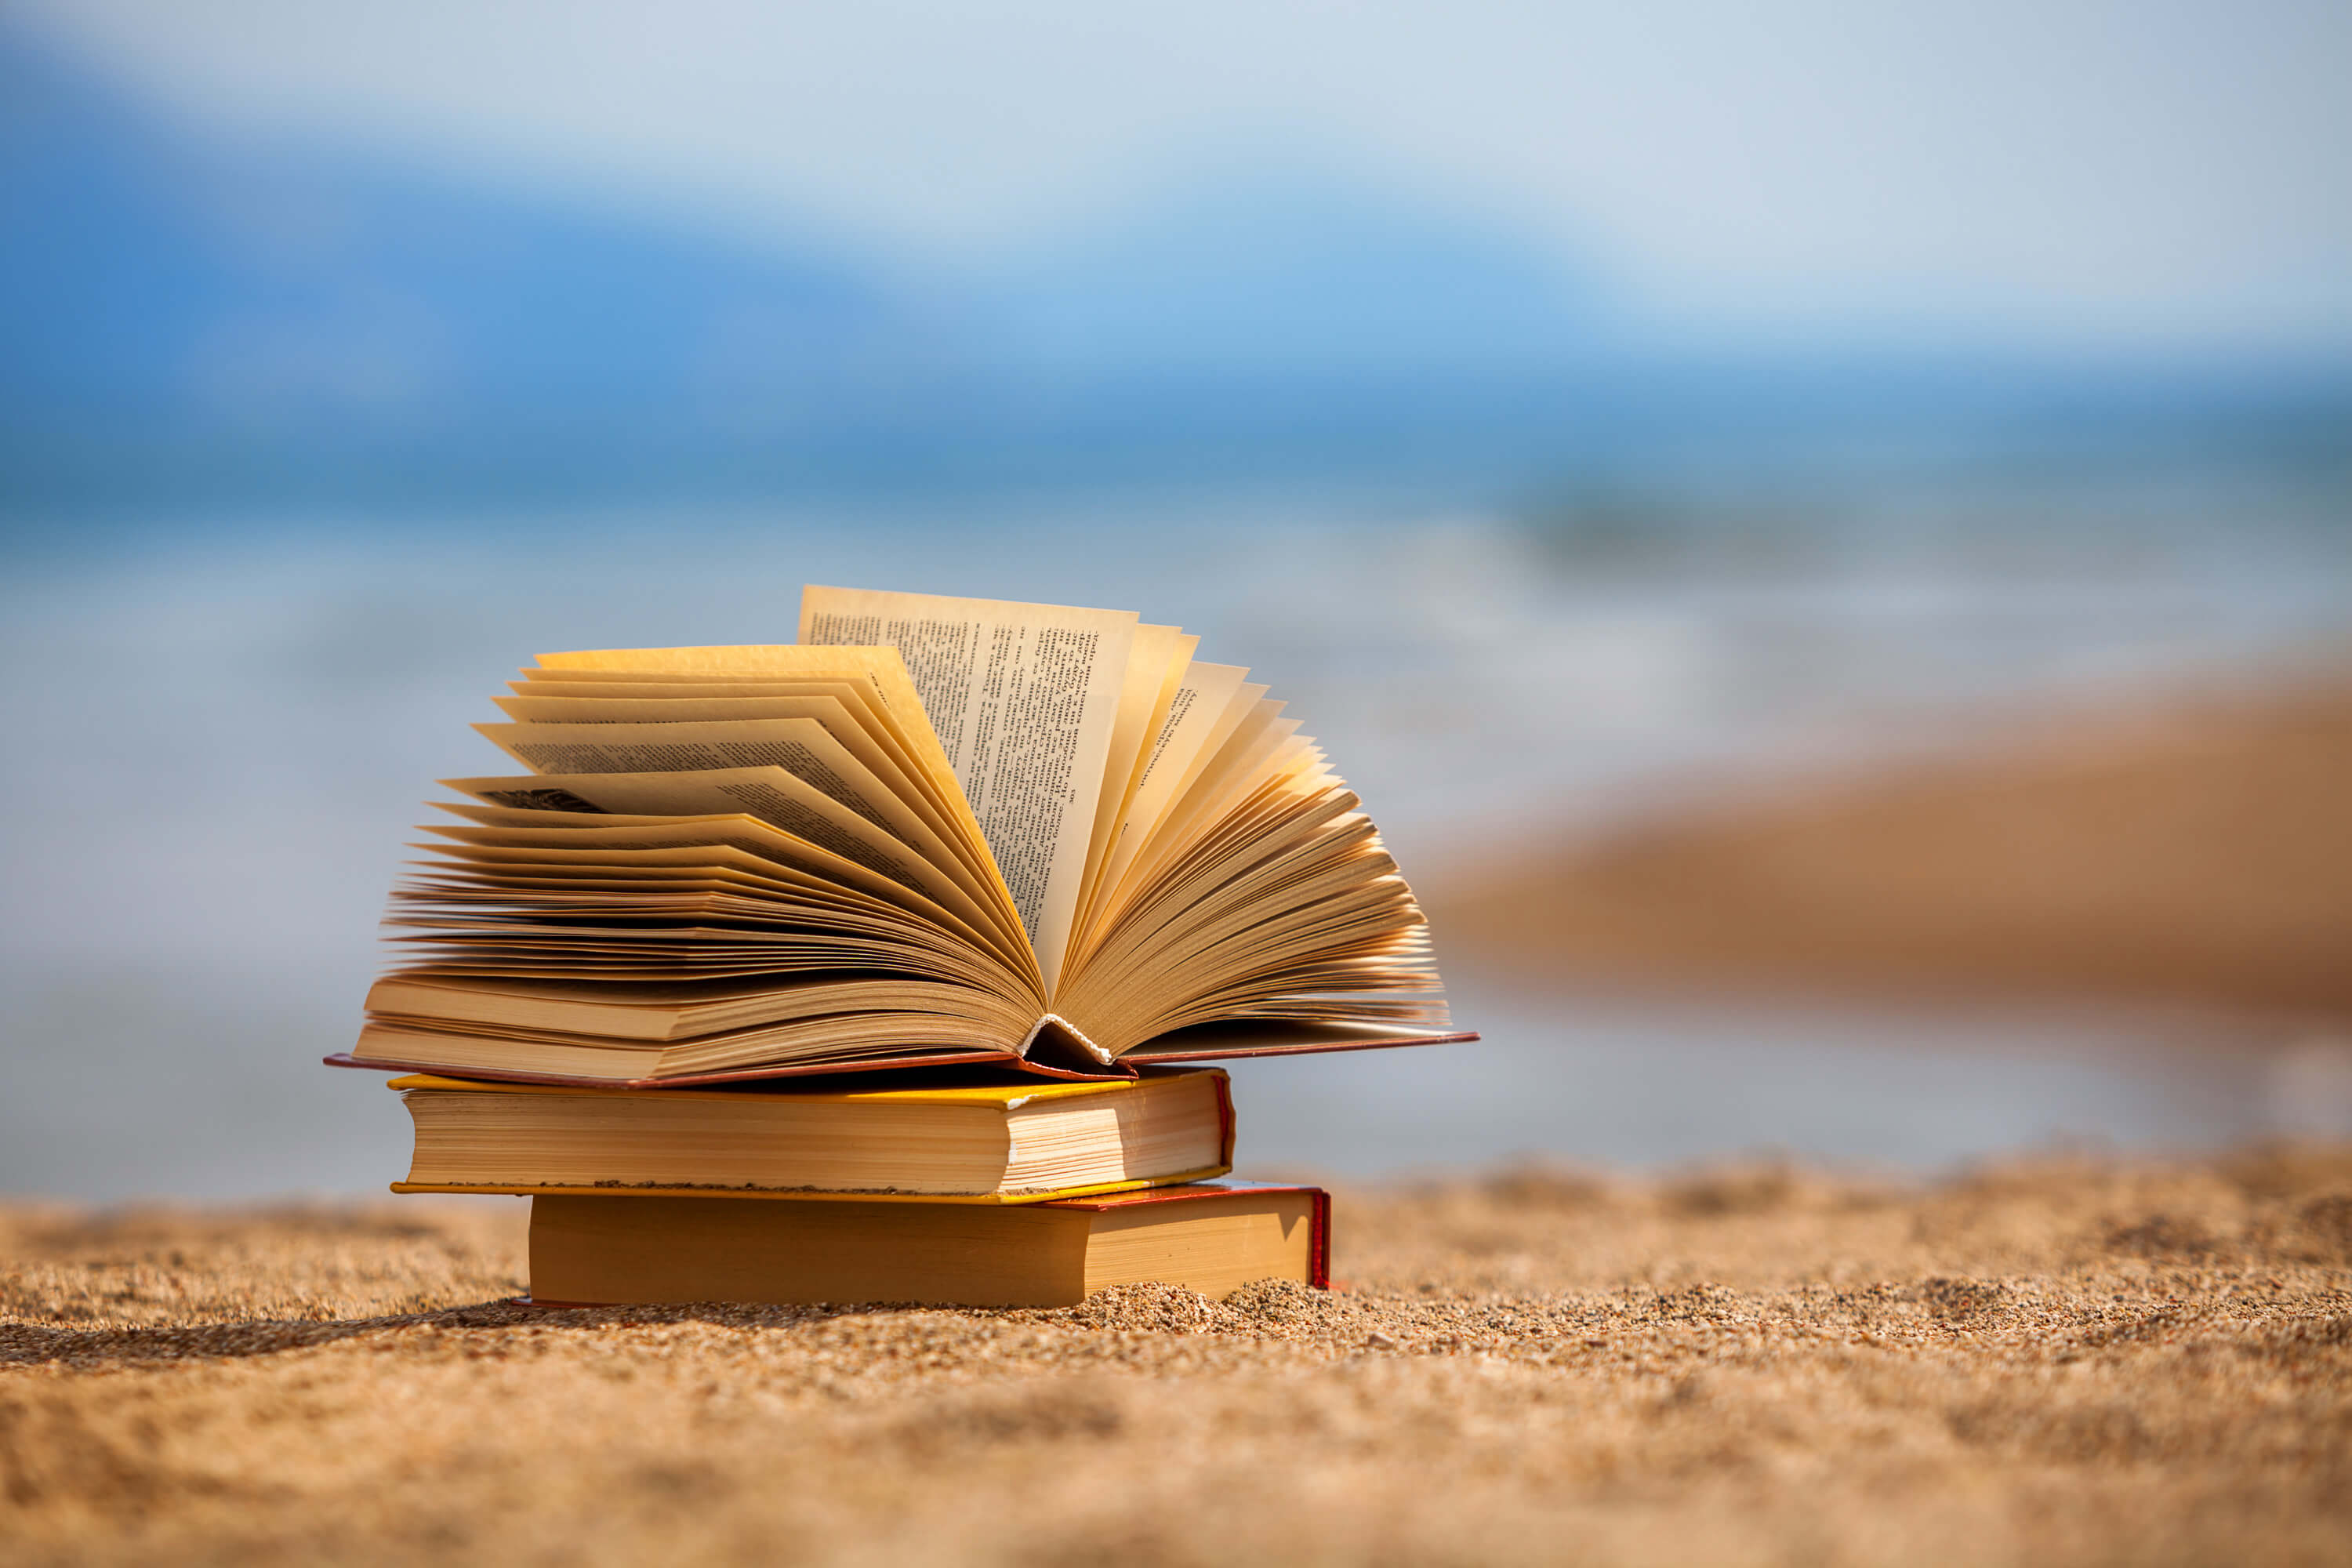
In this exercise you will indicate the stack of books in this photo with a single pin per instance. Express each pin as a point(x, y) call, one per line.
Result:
point(875, 967)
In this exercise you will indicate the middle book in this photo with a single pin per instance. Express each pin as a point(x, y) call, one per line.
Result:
point(979, 1140)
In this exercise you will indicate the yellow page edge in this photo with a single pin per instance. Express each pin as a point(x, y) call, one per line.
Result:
point(1206, 1172)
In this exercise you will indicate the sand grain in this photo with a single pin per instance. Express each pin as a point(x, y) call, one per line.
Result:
point(2045, 1362)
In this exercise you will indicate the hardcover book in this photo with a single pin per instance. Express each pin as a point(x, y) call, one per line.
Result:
point(993, 1142)
point(1212, 1237)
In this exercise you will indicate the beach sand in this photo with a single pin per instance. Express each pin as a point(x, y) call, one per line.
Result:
point(2061, 1360)
point(2192, 848)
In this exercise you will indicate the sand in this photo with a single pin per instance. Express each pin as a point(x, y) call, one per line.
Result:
point(2191, 849)
point(2069, 1361)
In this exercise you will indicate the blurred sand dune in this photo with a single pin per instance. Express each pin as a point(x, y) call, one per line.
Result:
point(2197, 850)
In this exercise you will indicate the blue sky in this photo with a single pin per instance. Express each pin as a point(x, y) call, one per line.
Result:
point(2162, 174)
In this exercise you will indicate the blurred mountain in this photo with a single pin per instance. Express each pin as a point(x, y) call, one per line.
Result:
point(149, 271)
point(1271, 269)
point(169, 297)
point(191, 321)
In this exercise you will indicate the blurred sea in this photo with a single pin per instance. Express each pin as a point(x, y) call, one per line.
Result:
point(219, 734)
point(306, 444)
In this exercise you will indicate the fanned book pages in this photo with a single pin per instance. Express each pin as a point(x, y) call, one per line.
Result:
point(934, 831)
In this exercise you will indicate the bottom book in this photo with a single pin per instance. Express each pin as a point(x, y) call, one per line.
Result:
point(1213, 1236)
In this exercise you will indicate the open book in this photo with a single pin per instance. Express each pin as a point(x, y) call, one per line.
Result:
point(936, 830)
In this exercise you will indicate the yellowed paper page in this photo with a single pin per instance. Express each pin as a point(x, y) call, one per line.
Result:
point(880, 669)
point(1217, 781)
point(1194, 716)
point(1024, 699)
point(709, 735)
point(1148, 667)
point(1111, 813)
point(770, 794)
point(863, 700)
point(1261, 747)
point(881, 675)
point(837, 715)
point(1245, 704)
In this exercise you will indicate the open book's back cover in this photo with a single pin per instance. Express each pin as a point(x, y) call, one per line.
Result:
point(1209, 1043)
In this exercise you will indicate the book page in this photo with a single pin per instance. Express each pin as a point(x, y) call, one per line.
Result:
point(1253, 754)
point(878, 670)
point(1024, 699)
point(1154, 670)
point(1193, 720)
point(802, 747)
point(862, 700)
point(884, 689)
point(772, 794)
point(543, 716)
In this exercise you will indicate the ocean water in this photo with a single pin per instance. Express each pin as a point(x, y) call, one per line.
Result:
point(217, 737)
point(1653, 1084)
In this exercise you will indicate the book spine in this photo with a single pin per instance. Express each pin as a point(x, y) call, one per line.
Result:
point(1319, 1241)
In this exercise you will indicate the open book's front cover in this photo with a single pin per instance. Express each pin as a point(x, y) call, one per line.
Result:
point(1204, 1043)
